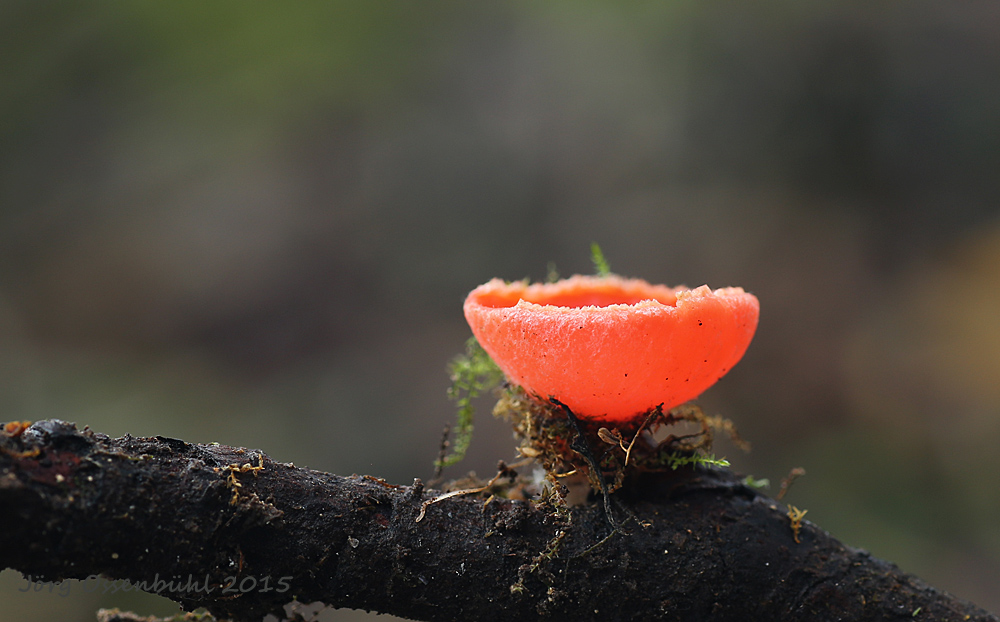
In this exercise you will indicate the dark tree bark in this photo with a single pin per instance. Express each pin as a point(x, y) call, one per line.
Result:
point(695, 544)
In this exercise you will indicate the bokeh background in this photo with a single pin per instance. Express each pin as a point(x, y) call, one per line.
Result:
point(256, 224)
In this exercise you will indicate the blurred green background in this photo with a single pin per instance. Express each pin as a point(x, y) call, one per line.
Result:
point(256, 224)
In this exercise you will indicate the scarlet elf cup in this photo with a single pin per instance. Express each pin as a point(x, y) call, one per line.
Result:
point(612, 348)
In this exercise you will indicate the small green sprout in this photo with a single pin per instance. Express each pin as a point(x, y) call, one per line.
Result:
point(757, 484)
point(552, 274)
point(601, 266)
point(472, 373)
point(677, 460)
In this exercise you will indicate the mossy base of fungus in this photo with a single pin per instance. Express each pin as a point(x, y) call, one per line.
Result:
point(571, 448)
point(548, 435)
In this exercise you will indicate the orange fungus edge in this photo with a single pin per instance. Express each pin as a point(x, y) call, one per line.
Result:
point(612, 348)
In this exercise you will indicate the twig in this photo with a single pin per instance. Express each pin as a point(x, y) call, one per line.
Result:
point(579, 445)
point(155, 513)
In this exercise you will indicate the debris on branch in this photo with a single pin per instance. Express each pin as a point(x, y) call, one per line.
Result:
point(232, 531)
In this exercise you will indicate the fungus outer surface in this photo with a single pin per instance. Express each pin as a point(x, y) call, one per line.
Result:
point(608, 347)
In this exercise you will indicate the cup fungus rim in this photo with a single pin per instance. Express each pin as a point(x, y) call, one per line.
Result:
point(537, 296)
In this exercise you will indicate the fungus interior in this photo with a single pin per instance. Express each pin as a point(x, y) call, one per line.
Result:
point(611, 348)
point(579, 292)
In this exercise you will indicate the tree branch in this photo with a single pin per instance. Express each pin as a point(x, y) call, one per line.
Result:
point(189, 520)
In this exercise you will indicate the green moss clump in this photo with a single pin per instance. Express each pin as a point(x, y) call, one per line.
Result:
point(472, 374)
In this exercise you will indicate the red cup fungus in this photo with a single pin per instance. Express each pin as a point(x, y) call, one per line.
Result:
point(612, 349)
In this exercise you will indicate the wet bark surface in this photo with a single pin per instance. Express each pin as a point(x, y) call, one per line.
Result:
point(228, 529)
